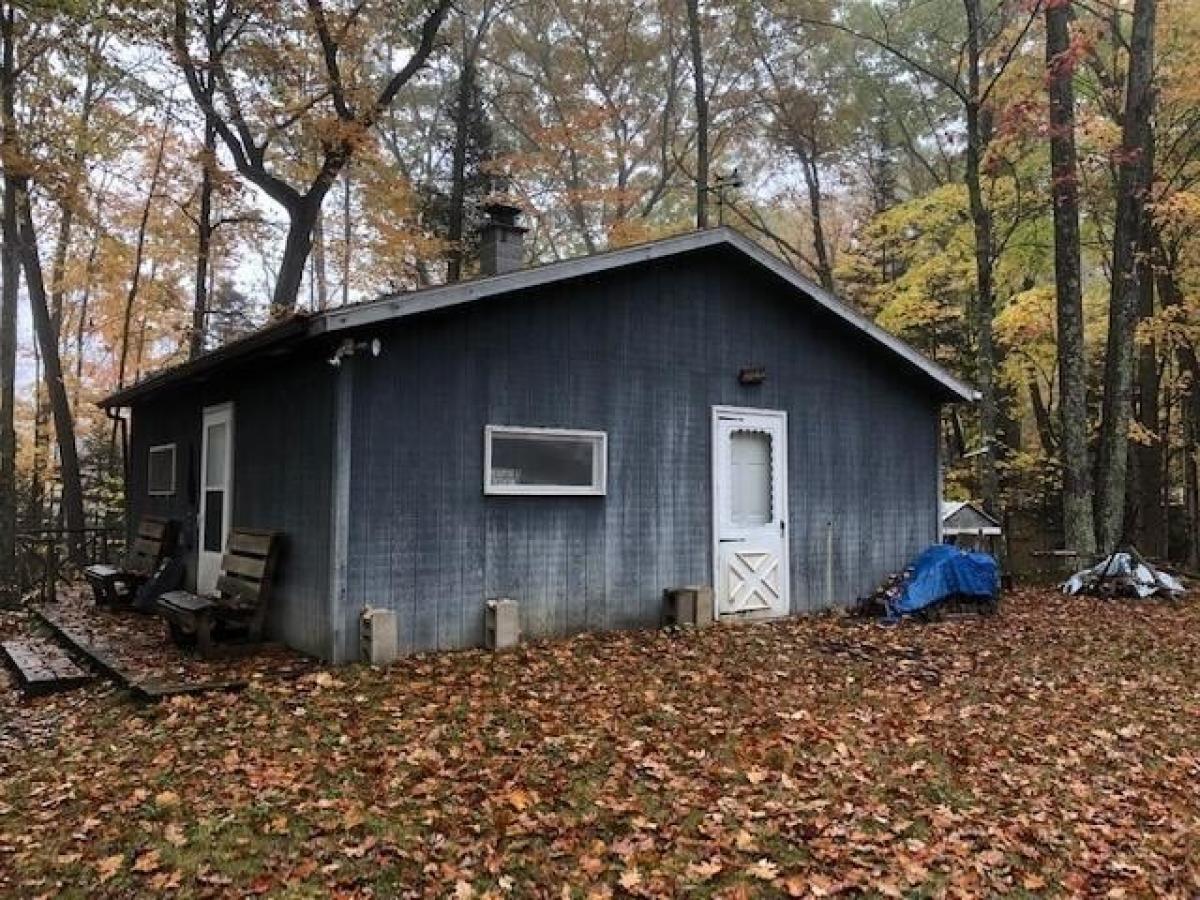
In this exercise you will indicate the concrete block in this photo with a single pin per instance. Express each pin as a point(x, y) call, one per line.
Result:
point(692, 605)
point(502, 624)
point(377, 637)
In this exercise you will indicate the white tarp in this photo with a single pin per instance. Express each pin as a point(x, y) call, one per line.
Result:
point(1124, 569)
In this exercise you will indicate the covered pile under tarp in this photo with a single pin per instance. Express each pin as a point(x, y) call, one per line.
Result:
point(1124, 574)
point(943, 572)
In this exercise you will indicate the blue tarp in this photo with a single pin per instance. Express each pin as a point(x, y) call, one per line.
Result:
point(943, 571)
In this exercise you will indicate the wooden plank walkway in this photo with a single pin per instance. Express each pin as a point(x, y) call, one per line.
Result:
point(43, 667)
point(94, 645)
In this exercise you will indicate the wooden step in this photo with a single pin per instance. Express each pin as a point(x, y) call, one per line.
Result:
point(43, 667)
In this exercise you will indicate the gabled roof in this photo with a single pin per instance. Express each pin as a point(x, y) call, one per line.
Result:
point(398, 306)
point(965, 517)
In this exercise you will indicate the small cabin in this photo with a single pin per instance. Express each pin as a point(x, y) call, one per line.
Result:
point(577, 436)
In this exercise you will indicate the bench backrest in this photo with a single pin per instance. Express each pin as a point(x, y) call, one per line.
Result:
point(155, 540)
point(247, 569)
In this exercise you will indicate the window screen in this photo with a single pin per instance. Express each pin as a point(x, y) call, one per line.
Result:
point(544, 461)
point(160, 471)
point(750, 464)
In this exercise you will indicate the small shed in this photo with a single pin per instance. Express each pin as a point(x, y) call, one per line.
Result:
point(577, 436)
point(967, 524)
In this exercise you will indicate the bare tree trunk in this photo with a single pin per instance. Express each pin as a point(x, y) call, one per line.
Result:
point(1042, 419)
point(1078, 522)
point(141, 348)
point(10, 273)
point(204, 233)
point(320, 282)
point(56, 390)
point(85, 299)
point(298, 245)
point(1132, 194)
point(139, 252)
point(812, 181)
point(1147, 489)
point(979, 133)
point(458, 169)
point(35, 510)
point(67, 218)
point(1186, 360)
point(1191, 478)
point(58, 266)
point(10, 270)
point(697, 45)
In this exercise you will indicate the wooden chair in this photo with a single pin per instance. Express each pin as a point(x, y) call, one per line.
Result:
point(154, 542)
point(237, 613)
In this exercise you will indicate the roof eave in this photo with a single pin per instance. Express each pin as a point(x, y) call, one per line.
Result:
point(291, 329)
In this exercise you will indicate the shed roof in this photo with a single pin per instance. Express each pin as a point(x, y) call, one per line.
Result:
point(965, 517)
point(282, 335)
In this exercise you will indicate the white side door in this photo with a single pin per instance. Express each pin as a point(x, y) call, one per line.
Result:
point(750, 512)
point(216, 494)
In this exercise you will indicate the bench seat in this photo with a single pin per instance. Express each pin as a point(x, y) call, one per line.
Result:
point(154, 542)
point(237, 614)
point(185, 602)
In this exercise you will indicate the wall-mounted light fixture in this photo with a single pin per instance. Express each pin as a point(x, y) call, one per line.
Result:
point(752, 375)
point(349, 347)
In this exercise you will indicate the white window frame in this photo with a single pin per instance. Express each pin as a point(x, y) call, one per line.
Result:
point(174, 473)
point(598, 439)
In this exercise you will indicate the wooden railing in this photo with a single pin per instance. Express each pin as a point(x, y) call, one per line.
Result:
point(42, 554)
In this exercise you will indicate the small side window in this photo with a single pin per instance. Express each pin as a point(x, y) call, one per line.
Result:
point(544, 461)
point(160, 471)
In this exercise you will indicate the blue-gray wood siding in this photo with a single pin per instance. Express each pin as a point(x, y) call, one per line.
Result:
point(644, 354)
point(281, 478)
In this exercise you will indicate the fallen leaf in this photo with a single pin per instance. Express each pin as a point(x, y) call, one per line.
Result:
point(147, 862)
point(109, 866)
point(764, 870)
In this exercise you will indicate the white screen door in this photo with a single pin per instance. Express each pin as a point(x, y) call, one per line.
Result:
point(750, 512)
point(216, 493)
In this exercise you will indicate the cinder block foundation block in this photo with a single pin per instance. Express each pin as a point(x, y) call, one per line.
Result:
point(692, 605)
point(377, 637)
point(502, 623)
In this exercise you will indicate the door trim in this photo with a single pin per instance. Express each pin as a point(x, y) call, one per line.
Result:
point(227, 410)
point(714, 518)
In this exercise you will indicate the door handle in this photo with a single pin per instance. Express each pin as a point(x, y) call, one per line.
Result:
point(731, 540)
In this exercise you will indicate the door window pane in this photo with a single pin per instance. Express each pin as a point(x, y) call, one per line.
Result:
point(214, 462)
point(750, 477)
point(214, 518)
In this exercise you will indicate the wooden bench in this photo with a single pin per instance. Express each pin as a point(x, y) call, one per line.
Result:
point(155, 540)
point(237, 614)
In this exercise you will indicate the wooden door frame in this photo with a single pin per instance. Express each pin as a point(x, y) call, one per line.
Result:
point(715, 517)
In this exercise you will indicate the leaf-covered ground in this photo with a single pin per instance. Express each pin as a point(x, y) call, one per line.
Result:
point(1054, 750)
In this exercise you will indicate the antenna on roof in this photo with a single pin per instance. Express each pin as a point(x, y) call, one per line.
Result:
point(722, 183)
